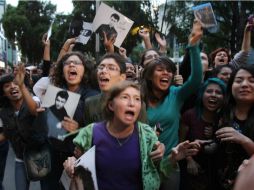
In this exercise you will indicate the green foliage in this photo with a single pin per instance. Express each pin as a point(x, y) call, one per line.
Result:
point(231, 17)
point(26, 24)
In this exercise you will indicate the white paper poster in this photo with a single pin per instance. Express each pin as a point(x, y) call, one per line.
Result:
point(114, 24)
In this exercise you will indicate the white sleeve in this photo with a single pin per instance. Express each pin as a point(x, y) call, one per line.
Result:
point(40, 87)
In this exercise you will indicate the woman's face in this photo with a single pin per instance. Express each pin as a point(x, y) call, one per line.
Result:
point(130, 71)
point(224, 74)
point(221, 58)
point(126, 106)
point(162, 78)
point(243, 87)
point(212, 97)
point(204, 61)
point(149, 56)
point(73, 71)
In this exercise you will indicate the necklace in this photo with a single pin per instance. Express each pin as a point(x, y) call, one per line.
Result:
point(121, 142)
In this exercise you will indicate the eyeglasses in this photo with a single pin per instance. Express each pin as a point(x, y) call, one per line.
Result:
point(108, 68)
point(72, 61)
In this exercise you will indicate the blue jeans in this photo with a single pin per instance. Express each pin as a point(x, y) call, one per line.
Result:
point(21, 181)
point(4, 147)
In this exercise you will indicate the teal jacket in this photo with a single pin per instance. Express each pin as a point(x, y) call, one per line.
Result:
point(151, 175)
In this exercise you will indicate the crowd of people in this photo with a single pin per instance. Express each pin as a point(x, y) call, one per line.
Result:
point(155, 125)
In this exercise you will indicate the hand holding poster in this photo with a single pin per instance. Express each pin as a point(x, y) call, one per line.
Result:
point(112, 23)
point(204, 13)
point(84, 175)
point(60, 106)
point(50, 30)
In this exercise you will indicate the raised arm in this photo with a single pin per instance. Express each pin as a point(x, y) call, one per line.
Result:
point(162, 42)
point(19, 80)
point(242, 56)
point(144, 34)
point(195, 79)
point(66, 47)
point(46, 55)
point(246, 44)
point(108, 42)
point(46, 52)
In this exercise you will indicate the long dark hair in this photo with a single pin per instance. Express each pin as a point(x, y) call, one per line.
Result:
point(228, 111)
point(58, 77)
point(146, 78)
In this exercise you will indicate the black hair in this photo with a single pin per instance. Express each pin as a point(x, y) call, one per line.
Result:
point(230, 104)
point(118, 59)
point(58, 78)
point(63, 94)
point(116, 16)
point(3, 80)
point(218, 69)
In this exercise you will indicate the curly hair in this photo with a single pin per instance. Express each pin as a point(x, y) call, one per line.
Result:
point(58, 76)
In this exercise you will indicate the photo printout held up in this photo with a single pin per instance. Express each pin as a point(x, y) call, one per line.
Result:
point(85, 33)
point(204, 13)
point(114, 24)
point(84, 174)
point(58, 103)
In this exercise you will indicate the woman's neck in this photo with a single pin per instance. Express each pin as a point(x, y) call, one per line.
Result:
point(208, 116)
point(73, 88)
point(158, 97)
point(242, 110)
point(119, 130)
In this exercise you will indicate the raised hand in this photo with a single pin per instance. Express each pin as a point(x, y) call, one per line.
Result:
point(178, 80)
point(144, 33)
point(161, 41)
point(20, 75)
point(109, 42)
point(196, 33)
point(123, 52)
point(44, 40)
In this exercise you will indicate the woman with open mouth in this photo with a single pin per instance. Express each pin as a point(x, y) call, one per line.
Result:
point(123, 145)
point(221, 56)
point(73, 72)
point(200, 123)
point(164, 100)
